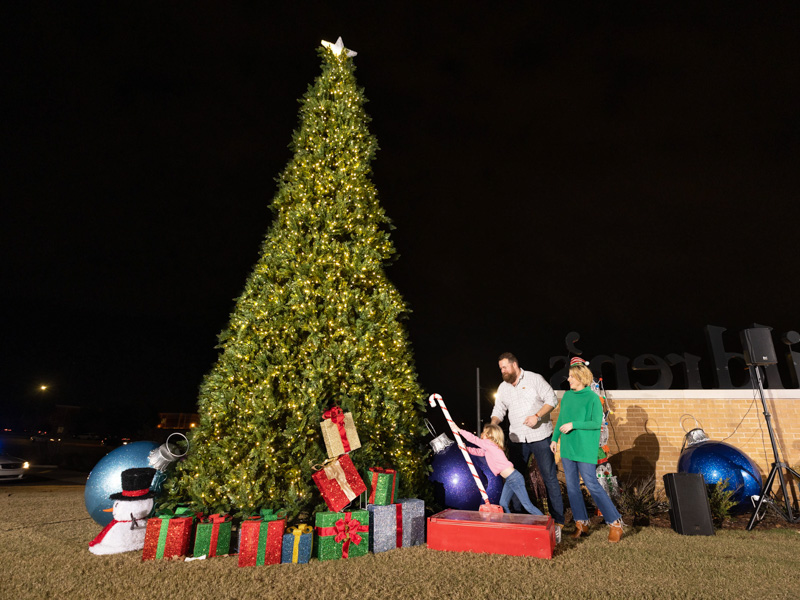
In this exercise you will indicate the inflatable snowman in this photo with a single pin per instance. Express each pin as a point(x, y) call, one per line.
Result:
point(131, 508)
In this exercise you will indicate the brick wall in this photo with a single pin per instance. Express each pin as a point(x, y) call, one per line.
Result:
point(648, 426)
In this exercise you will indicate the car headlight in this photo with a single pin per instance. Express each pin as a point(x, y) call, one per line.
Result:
point(26, 465)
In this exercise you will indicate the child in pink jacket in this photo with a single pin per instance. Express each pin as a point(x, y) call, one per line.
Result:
point(490, 446)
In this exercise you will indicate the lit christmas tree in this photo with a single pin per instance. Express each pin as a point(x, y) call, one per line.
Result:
point(318, 324)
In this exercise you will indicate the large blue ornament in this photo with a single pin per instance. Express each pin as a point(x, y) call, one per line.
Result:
point(457, 487)
point(718, 461)
point(105, 478)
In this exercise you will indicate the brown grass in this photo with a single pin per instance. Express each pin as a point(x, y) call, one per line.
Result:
point(44, 535)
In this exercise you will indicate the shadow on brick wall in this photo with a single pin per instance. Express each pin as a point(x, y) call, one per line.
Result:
point(634, 449)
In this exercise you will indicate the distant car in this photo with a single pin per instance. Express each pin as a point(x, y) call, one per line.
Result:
point(43, 436)
point(114, 440)
point(12, 468)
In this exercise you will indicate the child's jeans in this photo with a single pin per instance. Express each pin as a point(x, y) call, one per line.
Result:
point(515, 486)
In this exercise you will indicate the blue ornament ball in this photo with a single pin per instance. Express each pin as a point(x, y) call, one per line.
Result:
point(718, 461)
point(457, 487)
point(106, 477)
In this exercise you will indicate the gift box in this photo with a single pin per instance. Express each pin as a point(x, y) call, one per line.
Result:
point(385, 527)
point(413, 521)
point(492, 533)
point(382, 486)
point(261, 538)
point(297, 543)
point(212, 536)
point(339, 432)
point(168, 534)
point(342, 535)
point(339, 482)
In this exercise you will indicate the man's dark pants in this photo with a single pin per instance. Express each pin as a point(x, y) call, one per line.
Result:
point(519, 453)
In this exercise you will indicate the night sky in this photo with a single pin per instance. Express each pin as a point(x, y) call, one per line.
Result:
point(626, 172)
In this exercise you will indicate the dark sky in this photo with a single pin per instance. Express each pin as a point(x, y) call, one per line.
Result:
point(627, 172)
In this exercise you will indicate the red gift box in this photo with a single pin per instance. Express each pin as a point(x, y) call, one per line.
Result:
point(339, 482)
point(260, 541)
point(492, 533)
point(167, 537)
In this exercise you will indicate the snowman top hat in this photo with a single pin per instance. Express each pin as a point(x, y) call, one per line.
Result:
point(136, 484)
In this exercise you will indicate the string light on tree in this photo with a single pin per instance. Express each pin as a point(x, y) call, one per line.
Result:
point(318, 323)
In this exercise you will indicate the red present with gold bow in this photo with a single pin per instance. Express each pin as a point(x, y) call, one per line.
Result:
point(261, 538)
point(213, 536)
point(339, 482)
point(382, 486)
point(339, 432)
point(168, 534)
point(342, 535)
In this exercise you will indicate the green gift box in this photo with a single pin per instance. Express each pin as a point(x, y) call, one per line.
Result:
point(342, 534)
point(212, 536)
point(383, 483)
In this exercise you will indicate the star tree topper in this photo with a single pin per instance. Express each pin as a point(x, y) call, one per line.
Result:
point(338, 47)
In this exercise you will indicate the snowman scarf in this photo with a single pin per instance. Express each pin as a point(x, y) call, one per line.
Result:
point(134, 524)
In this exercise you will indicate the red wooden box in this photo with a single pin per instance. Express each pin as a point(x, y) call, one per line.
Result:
point(492, 533)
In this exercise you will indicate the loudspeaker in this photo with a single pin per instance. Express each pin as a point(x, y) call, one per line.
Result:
point(758, 347)
point(689, 510)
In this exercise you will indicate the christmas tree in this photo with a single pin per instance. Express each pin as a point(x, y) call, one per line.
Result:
point(318, 324)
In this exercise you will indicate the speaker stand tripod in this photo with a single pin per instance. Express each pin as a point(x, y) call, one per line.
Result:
point(777, 467)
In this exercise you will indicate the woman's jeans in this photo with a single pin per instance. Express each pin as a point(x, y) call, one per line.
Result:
point(588, 472)
point(515, 486)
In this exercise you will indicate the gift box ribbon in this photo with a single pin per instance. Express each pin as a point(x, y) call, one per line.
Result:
point(336, 415)
point(181, 511)
point(380, 471)
point(345, 530)
point(215, 520)
point(333, 470)
point(297, 532)
point(399, 539)
point(267, 514)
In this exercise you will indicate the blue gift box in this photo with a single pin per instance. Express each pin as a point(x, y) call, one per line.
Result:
point(384, 533)
point(413, 521)
point(396, 525)
point(297, 544)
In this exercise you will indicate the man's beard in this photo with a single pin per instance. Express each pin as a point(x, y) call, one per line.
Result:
point(509, 377)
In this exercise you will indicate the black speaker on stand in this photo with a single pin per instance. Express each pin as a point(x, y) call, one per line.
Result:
point(759, 351)
point(689, 510)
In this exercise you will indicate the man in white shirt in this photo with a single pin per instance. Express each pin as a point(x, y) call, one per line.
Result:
point(528, 399)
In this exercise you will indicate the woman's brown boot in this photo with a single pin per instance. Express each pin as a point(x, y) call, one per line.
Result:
point(580, 528)
point(615, 531)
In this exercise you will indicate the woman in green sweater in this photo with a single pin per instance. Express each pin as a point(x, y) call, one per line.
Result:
point(578, 427)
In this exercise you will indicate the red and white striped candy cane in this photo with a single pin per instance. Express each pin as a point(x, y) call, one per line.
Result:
point(432, 400)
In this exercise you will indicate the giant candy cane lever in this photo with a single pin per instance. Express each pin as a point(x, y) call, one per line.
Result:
point(488, 506)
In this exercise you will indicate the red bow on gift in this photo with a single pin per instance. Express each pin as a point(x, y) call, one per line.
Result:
point(336, 415)
point(347, 531)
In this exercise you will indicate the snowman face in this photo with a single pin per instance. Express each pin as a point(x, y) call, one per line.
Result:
point(123, 510)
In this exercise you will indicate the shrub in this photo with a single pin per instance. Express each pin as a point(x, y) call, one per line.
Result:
point(641, 499)
point(720, 500)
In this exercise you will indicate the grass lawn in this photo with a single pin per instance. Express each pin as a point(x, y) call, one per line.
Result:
point(46, 530)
